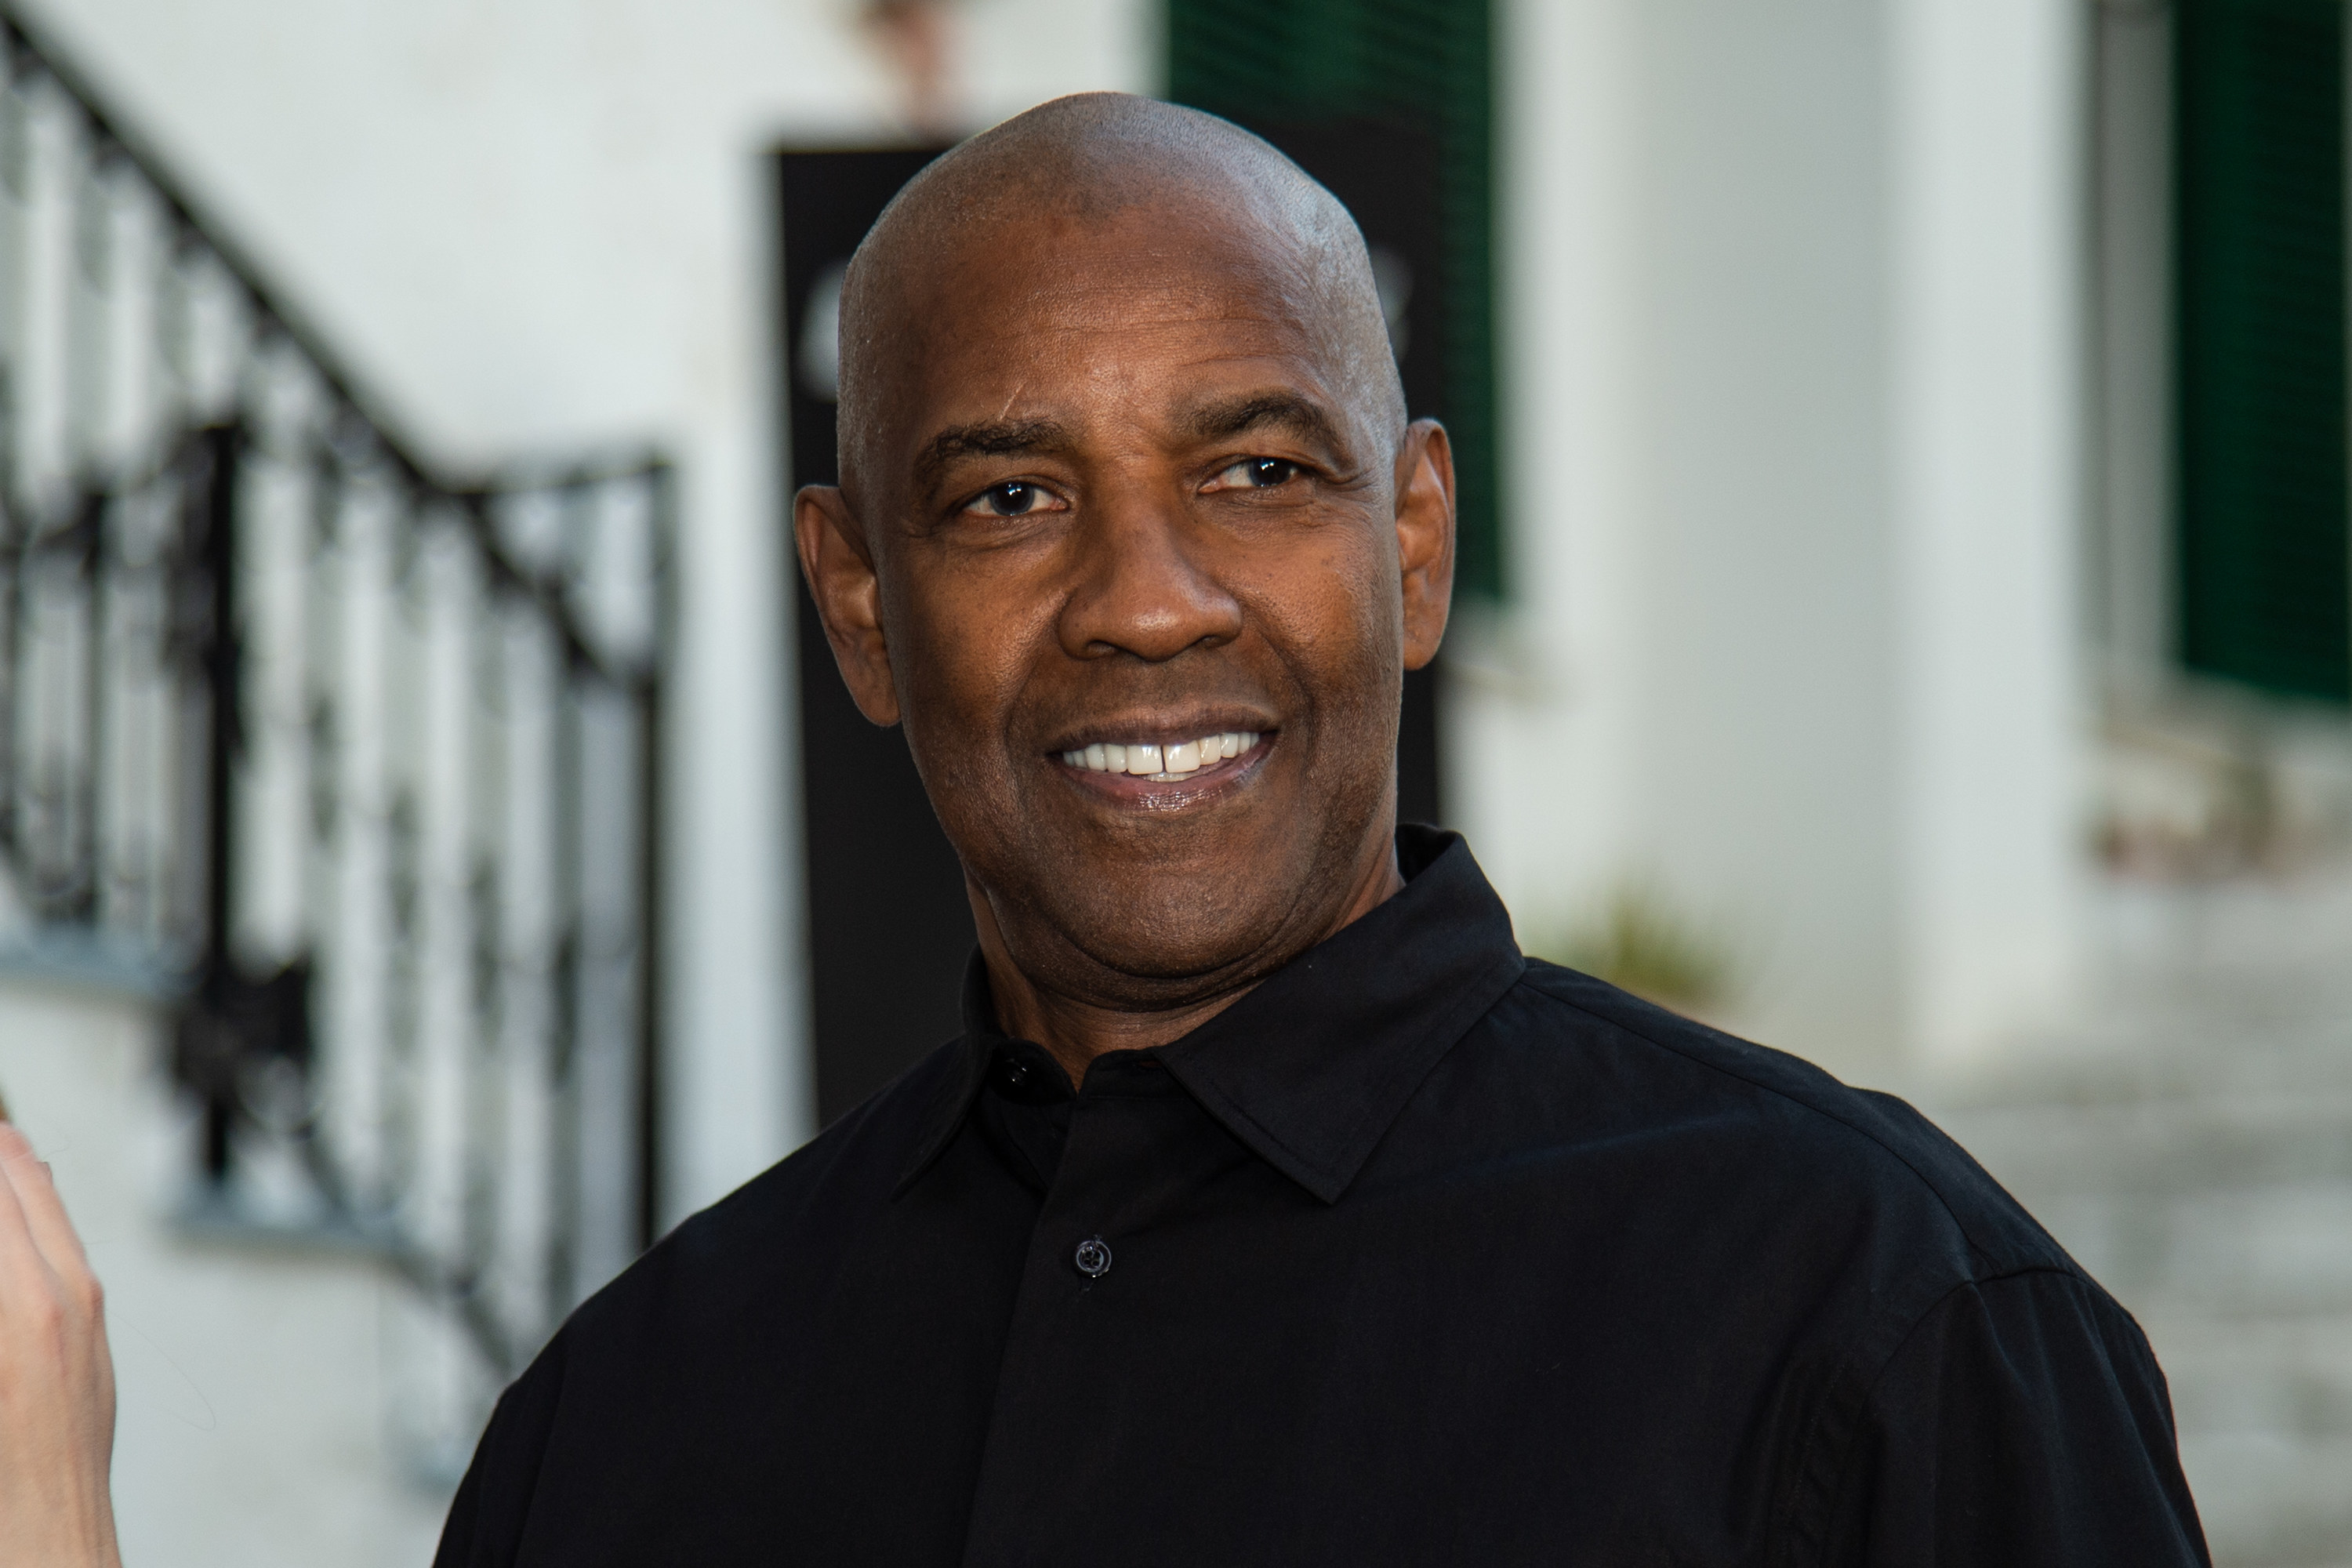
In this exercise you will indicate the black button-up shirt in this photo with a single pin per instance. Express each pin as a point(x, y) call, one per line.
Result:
point(1421, 1253)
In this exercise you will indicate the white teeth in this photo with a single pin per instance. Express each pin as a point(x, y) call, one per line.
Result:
point(1163, 765)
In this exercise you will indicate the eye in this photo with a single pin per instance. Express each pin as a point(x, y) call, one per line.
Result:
point(1014, 498)
point(1254, 474)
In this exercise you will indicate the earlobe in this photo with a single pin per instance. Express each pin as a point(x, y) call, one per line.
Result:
point(1424, 523)
point(849, 595)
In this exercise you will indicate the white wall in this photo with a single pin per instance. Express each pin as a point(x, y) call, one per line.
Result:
point(1789, 313)
point(536, 224)
point(1791, 504)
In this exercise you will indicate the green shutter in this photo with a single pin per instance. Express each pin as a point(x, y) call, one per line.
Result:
point(2265, 587)
point(1424, 64)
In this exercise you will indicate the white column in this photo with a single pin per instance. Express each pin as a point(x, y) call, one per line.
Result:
point(1790, 367)
point(1689, 696)
point(1987, 173)
point(1541, 709)
point(738, 1087)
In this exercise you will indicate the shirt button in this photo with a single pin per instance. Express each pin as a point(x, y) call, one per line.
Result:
point(1013, 1074)
point(1093, 1258)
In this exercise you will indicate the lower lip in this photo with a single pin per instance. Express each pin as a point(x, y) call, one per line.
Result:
point(1140, 792)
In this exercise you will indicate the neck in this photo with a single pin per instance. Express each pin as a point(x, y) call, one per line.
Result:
point(1074, 1030)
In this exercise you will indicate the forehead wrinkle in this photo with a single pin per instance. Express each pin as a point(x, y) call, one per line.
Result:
point(1270, 280)
point(1093, 294)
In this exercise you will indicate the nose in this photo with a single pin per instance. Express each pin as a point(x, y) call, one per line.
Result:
point(1144, 583)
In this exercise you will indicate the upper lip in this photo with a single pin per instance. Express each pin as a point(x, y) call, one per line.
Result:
point(1159, 728)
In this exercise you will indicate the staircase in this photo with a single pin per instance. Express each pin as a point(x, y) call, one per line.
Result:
point(344, 769)
point(2192, 1148)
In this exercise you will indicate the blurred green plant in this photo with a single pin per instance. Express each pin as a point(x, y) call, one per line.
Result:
point(1638, 940)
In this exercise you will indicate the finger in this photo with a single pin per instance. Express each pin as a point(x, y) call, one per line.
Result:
point(22, 1268)
point(45, 1213)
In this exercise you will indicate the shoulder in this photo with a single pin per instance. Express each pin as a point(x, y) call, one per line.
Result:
point(1737, 1114)
point(1938, 1342)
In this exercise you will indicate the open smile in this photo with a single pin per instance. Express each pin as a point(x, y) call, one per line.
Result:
point(1162, 775)
point(1160, 762)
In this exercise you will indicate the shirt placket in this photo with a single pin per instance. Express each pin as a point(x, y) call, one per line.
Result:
point(1120, 1172)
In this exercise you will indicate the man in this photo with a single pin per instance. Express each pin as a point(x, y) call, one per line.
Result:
point(1272, 1207)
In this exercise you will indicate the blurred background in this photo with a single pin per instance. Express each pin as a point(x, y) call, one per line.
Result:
point(1907, 619)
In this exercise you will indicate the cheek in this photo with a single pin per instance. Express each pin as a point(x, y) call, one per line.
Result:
point(961, 646)
point(1333, 609)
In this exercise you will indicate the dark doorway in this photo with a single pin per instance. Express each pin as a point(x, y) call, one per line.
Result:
point(889, 926)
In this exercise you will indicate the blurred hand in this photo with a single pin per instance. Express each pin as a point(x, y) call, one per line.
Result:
point(57, 1380)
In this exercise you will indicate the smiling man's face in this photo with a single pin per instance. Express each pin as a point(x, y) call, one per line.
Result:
point(1138, 553)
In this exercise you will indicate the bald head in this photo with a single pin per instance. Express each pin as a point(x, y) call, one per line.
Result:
point(1085, 164)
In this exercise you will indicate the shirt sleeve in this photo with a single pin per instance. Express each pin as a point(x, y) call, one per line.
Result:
point(484, 1526)
point(2023, 1422)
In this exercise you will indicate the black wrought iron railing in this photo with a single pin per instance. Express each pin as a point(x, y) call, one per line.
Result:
point(358, 765)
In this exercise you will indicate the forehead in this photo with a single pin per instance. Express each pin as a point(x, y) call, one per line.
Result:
point(1155, 310)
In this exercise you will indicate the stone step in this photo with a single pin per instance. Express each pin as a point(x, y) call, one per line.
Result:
point(2162, 1142)
point(2240, 1251)
point(2291, 1376)
point(2189, 1140)
point(2272, 1502)
point(2237, 1203)
point(2220, 1215)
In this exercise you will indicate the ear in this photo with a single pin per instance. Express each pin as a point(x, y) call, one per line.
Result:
point(1424, 525)
point(848, 597)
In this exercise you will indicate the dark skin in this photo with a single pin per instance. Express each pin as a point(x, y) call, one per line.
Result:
point(1130, 483)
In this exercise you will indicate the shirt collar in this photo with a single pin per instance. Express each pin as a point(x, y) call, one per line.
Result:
point(1310, 1067)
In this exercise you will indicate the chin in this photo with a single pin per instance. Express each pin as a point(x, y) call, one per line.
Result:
point(1158, 948)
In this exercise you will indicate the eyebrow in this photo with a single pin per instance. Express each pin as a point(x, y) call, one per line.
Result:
point(1259, 410)
point(988, 439)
